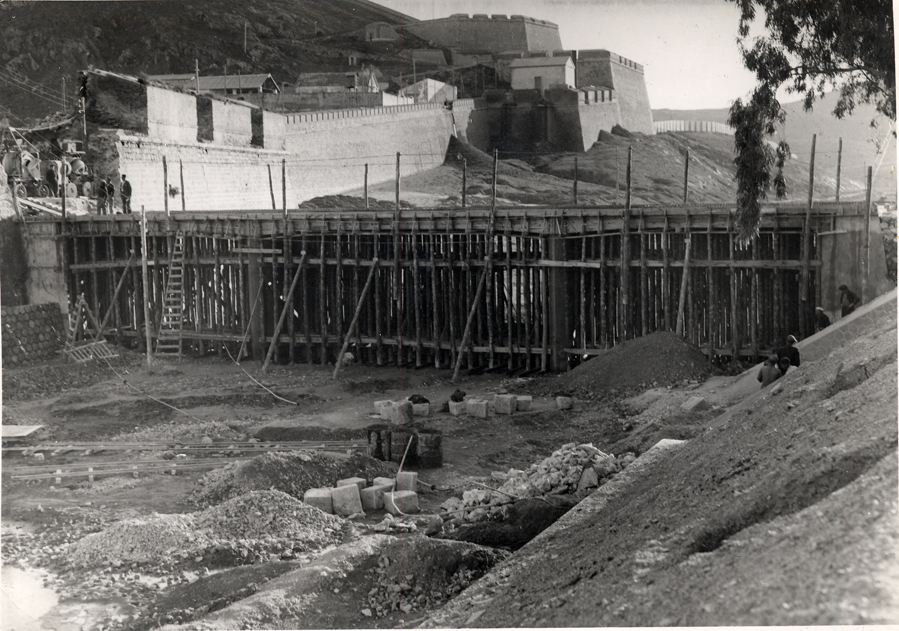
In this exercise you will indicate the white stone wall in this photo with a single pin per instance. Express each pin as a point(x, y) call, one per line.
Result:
point(171, 115)
point(231, 123)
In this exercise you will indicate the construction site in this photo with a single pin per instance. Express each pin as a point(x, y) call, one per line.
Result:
point(492, 359)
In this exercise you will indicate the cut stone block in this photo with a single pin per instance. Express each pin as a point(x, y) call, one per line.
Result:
point(346, 500)
point(564, 403)
point(457, 408)
point(695, 404)
point(360, 482)
point(523, 403)
point(373, 496)
point(383, 482)
point(320, 498)
point(504, 403)
point(476, 407)
point(388, 412)
point(421, 409)
point(403, 415)
point(381, 404)
point(407, 481)
point(401, 502)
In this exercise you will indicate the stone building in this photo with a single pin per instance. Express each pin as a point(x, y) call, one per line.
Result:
point(539, 73)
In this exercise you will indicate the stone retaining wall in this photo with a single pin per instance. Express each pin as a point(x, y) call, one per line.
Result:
point(31, 333)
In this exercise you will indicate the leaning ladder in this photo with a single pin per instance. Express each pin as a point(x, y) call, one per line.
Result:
point(168, 342)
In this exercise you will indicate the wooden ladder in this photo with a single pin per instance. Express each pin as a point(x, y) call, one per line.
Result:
point(168, 342)
point(77, 347)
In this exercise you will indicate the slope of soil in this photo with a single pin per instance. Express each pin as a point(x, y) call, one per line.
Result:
point(659, 359)
point(782, 512)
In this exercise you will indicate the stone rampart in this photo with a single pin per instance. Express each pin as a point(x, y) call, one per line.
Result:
point(607, 69)
point(495, 34)
point(31, 333)
point(171, 115)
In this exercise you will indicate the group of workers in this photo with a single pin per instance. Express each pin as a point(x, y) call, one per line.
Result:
point(106, 196)
point(777, 364)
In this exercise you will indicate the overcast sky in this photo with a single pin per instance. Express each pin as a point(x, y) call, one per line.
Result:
point(688, 47)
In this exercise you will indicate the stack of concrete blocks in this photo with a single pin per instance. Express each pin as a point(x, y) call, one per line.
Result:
point(373, 496)
point(404, 500)
point(401, 412)
point(353, 496)
point(501, 404)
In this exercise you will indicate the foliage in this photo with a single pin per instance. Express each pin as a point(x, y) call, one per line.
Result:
point(809, 47)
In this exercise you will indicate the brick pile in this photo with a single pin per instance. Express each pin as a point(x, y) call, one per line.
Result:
point(31, 333)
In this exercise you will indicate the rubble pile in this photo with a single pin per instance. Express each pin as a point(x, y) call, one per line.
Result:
point(423, 574)
point(292, 473)
point(142, 540)
point(569, 469)
point(269, 515)
point(656, 360)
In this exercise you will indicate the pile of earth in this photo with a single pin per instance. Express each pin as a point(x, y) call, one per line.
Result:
point(256, 527)
point(348, 202)
point(292, 473)
point(51, 378)
point(656, 360)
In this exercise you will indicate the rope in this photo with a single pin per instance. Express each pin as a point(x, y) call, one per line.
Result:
point(133, 387)
point(255, 381)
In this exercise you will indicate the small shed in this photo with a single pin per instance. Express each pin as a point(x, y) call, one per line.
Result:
point(430, 91)
point(221, 84)
point(540, 73)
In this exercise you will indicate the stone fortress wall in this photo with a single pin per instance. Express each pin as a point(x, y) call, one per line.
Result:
point(494, 33)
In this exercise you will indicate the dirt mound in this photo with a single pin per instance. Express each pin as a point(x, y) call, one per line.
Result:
point(262, 514)
point(292, 473)
point(659, 359)
point(347, 202)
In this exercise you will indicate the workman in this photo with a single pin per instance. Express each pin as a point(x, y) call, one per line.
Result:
point(101, 196)
point(126, 195)
point(769, 373)
point(848, 301)
point(821, 319)
point(789, 351)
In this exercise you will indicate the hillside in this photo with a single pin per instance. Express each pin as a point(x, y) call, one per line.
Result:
point(49, 41)
point(860, 141)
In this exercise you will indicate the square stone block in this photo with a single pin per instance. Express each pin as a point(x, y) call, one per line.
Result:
point(457, 408)
point(373, 496)
point(421, 409)
point(564, 403)
point(403, 414)
point(523, 403)
point(388, 411)
point(504, 403)
point(381, 404)
point(407, 481)
point(477, 408)
point(401, 502)
point(383, 482)
point(320, 498)
point(347, 500)
point(360, 482)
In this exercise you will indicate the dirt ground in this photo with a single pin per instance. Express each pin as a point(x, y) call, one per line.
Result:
point(757, 481)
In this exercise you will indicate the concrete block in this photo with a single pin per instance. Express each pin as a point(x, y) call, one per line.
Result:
point(457, 408)
point(407, 481)
point(695, 404)
point(346, 500)
point(504, 403)
point(381, 404)
point(383, 482)
point(421, 409)
point(476, 407)
point(401, 502)
point(403, 415)
point(388, 411)
point(373, 496)
point(320, 498)
point(360, 482)
point(523, 403)
point(564, 403)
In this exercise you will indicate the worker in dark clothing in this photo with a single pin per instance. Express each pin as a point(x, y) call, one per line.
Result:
point(784, 365)
point(126, 195)
point(53, 180)
point(101, 196)
point(790, 352)
point(110, 196)
point(821, 319)
point(848, 300)
point(769, 373)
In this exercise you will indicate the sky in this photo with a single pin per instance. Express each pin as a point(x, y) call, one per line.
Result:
point(688, 47)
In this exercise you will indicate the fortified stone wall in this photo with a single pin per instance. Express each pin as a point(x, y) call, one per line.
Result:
point(496, 34)
point(31, 333)
point(231, 123)
point(575, 124)
point(312, 101)
point(606, 69)
point(171, 115)
point(323, 157)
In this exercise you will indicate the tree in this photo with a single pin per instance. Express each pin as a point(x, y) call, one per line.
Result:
point(810, 47)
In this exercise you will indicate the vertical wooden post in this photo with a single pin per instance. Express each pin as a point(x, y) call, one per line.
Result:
point(416, 297)
point(806, 245)
point(686, 176)
point(733, 276)
point(711, 306)
point(145, 284)
point(666, 275)
point(323, 298)
point(254, 283)
point(624, 326)
point(398, 276)
point(355, 322)
point(574, 189)
point(365, 187)
point(644, 281)
point(435, 297)
point(866, 263)
point(681, 299)
point(165, 185)
point(181, 171)
point(284, 186)
point(464, 179)
point(488, 267)
point(839, 167)
point(64, 180)
point(754, 299)
point(271, 186)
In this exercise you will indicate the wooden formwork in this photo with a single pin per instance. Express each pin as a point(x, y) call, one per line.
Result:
point(561, 281)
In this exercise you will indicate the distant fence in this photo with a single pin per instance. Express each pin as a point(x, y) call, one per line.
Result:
point(661, 127)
